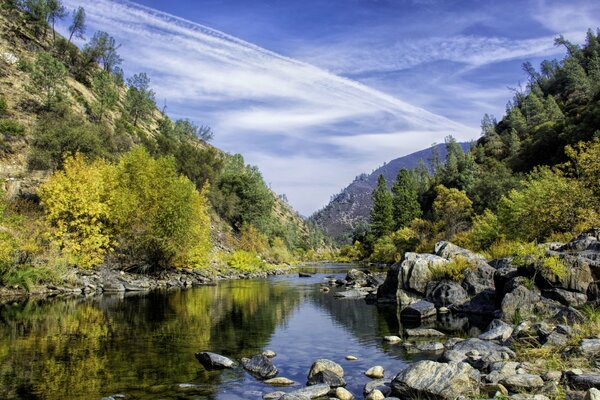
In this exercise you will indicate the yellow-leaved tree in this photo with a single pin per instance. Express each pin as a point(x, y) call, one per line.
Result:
point(161, 218)
point(76, 200)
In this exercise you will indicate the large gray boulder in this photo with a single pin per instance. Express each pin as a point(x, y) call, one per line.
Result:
point(446, 293)
point(260, 366)
point(433, 380)
point(450, 251)
point(479, 279)
point(357, 277)
point(323, 364)
point(522, 382)
point(479, 353)
point(520, 299)
point(416, 271)
point(566, 297)
point(212, 361)
point(497, 330)
point(328, 377)
point(578, 275)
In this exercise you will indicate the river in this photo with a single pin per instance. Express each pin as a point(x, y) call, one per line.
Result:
point(142, 345)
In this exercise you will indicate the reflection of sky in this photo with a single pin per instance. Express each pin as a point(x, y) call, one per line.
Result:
point(316, 92)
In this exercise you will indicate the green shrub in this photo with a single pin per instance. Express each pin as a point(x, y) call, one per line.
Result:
point(11, 128)
point(454, 270)
point(485, 231)
point(3, 105)
point(27, 276)
point(525, 254)
point(245, 261)
point(385, 251)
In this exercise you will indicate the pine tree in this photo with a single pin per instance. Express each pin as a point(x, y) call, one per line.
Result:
point(382, 219)
point(577, 84)
point(405, 204)
point(139, 100)
point(55, 10)
point(534, 110)
point(517, 121)
point(594, 72)
point(553, 110)
point(77, 27)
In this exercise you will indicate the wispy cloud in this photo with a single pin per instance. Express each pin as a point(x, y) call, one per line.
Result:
point(253, 97)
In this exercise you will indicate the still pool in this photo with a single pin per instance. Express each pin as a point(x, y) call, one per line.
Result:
point(142, 346)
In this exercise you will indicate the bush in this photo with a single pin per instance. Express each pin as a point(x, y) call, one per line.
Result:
point(279, 252)
point(454, 270)
point(246, 261)
point(547, 203)
point(76, 201)
point(11, 128)
point(385, 251)
point(355, 252)
point(526, 254)
point(485, 231)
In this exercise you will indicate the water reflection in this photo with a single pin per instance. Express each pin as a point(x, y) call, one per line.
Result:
point(143, 345)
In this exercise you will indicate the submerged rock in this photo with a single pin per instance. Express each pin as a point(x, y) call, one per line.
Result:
point(309, 392)
point(430, 379)
point(212, 361)
point(424, 332)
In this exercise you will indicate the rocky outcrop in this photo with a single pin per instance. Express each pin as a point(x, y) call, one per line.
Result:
point(446, 293)
point(433, 380)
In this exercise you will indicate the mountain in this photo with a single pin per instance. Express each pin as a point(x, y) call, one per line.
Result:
point(353, 204)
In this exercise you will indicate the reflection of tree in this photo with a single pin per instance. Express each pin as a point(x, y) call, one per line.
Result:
point(143, 345)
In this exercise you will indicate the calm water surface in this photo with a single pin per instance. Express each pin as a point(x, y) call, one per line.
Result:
point(142, 346)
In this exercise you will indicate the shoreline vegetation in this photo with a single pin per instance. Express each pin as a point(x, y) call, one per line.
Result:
point(92, 174)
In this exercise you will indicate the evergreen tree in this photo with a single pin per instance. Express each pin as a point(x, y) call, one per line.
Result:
point(47, 78)
point(139, 100)
point(405, 202)
point(77, 27)
point(55, 10)
point(535, 113)
point(576, 82)
point(103, 48)
point(553, 110)
point(106, 93)
point(516, 121)
point(594, 72)
point(382, 219)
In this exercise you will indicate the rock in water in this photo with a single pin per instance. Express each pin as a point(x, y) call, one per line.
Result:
point(307, 393)
point(430, 379)
point(260, 366)
point(375, 372)
point(279, 381)
point(328, 377)
point(323, 364)
point(418, 311)
point(343, 394)
point(212, 361)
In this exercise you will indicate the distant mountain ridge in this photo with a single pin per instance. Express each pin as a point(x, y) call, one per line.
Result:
point(353, 204)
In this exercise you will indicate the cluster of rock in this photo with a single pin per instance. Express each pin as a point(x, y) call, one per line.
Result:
point(496, 287)
point(358, 284)
point(108, 280)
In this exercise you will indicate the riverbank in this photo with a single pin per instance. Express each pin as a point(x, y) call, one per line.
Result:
point(111, 280)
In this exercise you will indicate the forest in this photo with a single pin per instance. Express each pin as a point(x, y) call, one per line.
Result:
point(531, 177)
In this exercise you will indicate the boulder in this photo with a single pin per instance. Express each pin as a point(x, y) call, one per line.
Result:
point(449, 251)
point(590, 347)
point(592, 394)
point(566, 297)
point(479, 279)
point(281, 381)
point(583, 381)
point(418, 311)
point(376, 372)
point(351, 294)
point(375, 395)
point(309, 392)
point(424, 332)
point(416, 271)
point(483, 303)
point(213, 361)
point(497, 330)
point(383, 385)
point(569, 315)
point(343, 394)
point(388, 291)
point(446, 293)
point(356, 277)
point(587, 241)
point(555, 339)
point(477, 352)
point(500, 370)
point(375, 280)
point(578, 277)
point(260, 366)
point(392, 339)
point(405, 298)
point(522, 382)
point(521, 300)
point(273, 395)
point(430, 379)
point(328, 377)
point(323, 364)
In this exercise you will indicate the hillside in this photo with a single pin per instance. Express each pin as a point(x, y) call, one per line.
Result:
point(353, 204)
point(58, 101)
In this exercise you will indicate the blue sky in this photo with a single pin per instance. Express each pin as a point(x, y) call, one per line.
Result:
point(316, 92)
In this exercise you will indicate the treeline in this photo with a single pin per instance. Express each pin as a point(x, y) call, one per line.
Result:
point(129, 184)
point(531, 177)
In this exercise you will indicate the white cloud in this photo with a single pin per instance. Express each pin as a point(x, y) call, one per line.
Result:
point(253, 97)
